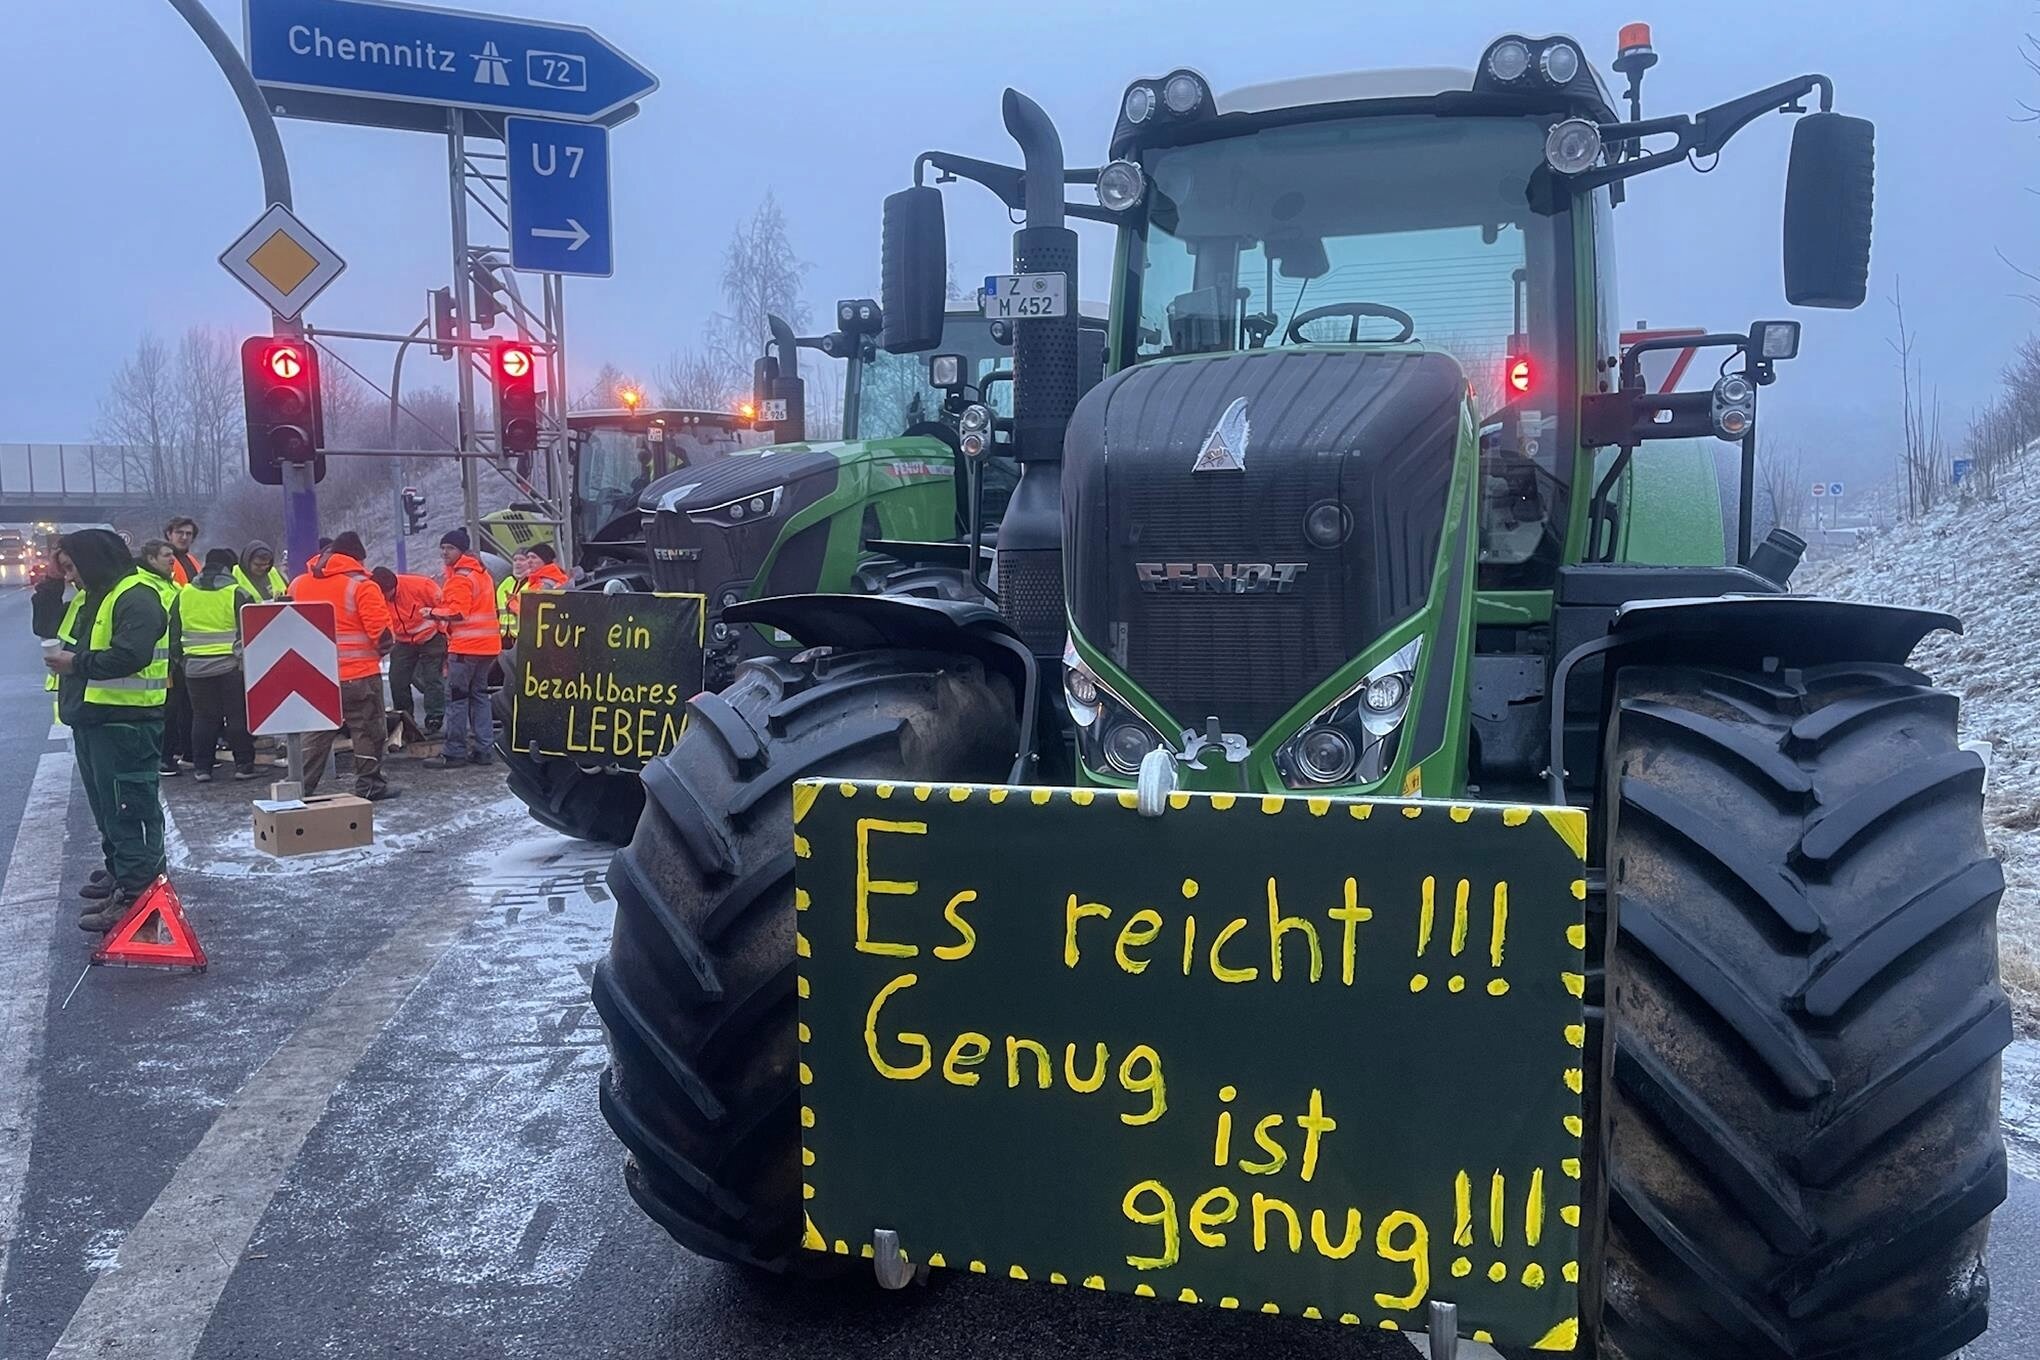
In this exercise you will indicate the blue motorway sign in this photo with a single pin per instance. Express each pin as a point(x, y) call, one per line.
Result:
point(559, 196)
point(391, 64)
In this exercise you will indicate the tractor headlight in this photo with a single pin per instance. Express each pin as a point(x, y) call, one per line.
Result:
point(1355, 739)
point(1182, 93)
point(1509, 59)
point(1139, 104)
point(1572, 146)
point(745, 509)
point(1111, 737)
point(1560, 62)
point(1120, 185)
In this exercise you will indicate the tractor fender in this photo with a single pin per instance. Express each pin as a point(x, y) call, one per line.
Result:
point(1756, 632)
point(1793, 630)
point(914, 622)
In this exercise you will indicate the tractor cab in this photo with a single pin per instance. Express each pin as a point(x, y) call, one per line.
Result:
point(617, 453)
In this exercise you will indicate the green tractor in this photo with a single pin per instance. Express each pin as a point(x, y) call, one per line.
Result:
point(1374, 504)
point(691, 503)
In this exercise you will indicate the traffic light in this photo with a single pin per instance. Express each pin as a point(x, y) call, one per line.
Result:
point(280, 393)
point(443, 322)
point(487, 308)
point(414, 511)
point(515, 371)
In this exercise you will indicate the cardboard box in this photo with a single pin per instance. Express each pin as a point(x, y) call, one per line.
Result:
point(325, 821)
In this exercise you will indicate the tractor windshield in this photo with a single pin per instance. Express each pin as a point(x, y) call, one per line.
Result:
point(613, 465)
point(1378, 230)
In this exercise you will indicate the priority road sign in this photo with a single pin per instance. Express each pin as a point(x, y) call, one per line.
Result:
point(282, 262)
point(559, 197)
point(292, 658)
point(386, 63)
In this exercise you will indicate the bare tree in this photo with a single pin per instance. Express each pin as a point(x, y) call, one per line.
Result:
point(606, 391)
point(138, 413)
point(1921, 457)
point(1781, 471)
point(691, 380)
point(207, 391)
point(762, 276)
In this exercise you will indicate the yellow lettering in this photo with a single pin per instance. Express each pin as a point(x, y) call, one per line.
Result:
point(1322, 1242)
point(1315, 1124)
point(1280, 925)
point(1189, 943)
point(1150, 1085)
point(1044, 1066)
point(969, 1050)
point(1140, 928)
point(920, 1041)
point(1500, 926)
point(1202, 1218)
point(1072, 914)
point(1163, 1218)
point(615, 635)
point(1219, 970)
point(1416, 1254)
point(868, 887)
point(1262, 1204)
point(1264, 1138)
point(1084, 1085)
point(1459, 895)
point(966, 936)
point(1350, 915)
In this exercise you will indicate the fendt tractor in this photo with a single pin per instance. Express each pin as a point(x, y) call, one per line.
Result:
point(1353, 525)
point(668, 507)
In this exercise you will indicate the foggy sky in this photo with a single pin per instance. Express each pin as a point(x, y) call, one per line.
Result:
point(129, 169)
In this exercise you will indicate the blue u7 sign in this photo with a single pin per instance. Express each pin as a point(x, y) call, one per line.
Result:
point(378, 61)
point(559, 196)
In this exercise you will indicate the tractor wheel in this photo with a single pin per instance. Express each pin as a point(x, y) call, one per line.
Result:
point(589, 805)
point(1803, 1147)
point(697, 991)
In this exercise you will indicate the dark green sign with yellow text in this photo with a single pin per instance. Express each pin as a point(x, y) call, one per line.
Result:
point(604, 678)
point(1302, 1055)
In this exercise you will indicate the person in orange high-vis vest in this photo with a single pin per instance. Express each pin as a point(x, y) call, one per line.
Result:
point(362, 627)
point(546, 572)
point(467, 609)
point(419, 657)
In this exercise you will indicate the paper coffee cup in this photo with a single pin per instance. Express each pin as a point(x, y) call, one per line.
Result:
point(52, 645)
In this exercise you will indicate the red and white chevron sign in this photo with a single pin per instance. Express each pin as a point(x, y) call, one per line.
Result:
point(292, 664)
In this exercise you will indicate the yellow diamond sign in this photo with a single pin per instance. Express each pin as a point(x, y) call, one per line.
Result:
point(282, 262)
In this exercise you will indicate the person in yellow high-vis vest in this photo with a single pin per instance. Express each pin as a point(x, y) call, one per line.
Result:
point(112, 677)
point(207, 614)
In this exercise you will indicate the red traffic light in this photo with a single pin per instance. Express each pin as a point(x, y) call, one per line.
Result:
point(1519, 374)
point(513, 361)
point(285, 361)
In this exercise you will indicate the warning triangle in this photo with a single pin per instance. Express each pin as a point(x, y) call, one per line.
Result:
point(153, 934)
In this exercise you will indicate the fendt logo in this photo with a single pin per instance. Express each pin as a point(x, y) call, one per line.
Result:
point(1219, 578)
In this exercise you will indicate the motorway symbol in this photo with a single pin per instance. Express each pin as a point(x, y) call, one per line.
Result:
point(282, 262)
point(293, 666)
point(559, 197)
point(391, 64)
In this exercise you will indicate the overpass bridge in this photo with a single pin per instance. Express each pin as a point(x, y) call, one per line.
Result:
point(71, 483)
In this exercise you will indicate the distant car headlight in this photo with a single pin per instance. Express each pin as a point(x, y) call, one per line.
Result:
point(1355, 738)
point(745, 509)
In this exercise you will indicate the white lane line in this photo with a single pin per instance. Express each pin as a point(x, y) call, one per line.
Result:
point(155, 1302)
point(29, 900)
point(59, 732)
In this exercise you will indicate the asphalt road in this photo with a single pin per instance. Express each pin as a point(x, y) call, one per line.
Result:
point(370, 1128)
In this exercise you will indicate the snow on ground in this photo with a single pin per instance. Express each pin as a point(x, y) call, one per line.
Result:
point(1975, 559)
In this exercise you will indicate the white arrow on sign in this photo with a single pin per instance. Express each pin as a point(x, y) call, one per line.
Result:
point(573, 232)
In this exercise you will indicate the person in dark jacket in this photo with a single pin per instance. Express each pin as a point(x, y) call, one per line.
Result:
point(113, 672)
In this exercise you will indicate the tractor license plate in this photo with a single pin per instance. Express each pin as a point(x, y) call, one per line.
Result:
point(1282, 1054)
point(1014, 297)
point(604, 679)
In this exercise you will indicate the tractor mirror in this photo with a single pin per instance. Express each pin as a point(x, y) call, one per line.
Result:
point(1828, 191)
point(914, 282)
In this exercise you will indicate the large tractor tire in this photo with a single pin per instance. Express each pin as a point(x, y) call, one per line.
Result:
point(1803, 990)
point(697, 992)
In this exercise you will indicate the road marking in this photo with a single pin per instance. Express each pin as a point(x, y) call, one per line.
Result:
point(29, 900)
point(59, 732)
point(161, 1292)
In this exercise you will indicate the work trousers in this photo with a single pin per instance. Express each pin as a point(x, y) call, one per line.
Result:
point(219, 701)
point(118, 763)
point(422, 664)
point(361, 704)
point(470, 725)
point(176, 725)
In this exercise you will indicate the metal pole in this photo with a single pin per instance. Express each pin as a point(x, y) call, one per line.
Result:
point(397, 467)
point(300, 500)
point(456, 168)
point(558, 479)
